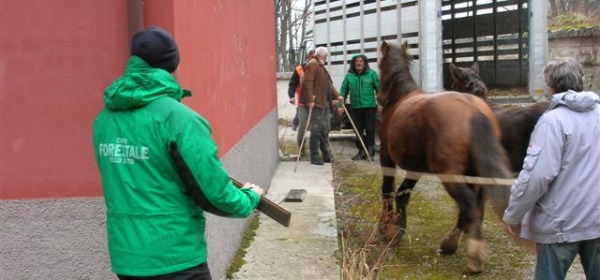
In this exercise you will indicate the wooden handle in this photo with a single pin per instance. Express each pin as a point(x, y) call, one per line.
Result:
point(270, 208)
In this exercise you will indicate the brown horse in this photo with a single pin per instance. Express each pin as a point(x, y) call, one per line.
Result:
point(516, 123)
point(443, 133)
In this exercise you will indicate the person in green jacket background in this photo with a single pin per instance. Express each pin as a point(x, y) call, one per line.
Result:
point(362, 83)
point(155, 217)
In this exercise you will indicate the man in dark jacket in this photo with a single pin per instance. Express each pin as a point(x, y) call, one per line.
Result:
point(294, 88)
point(362, 83)
point(154, 228)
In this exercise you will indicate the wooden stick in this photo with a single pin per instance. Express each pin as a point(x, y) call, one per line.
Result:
point(359, 135)
point(270, 208)
point(302, 142)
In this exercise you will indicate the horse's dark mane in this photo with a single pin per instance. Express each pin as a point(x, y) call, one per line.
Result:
point(396, 79)
point(516, 123)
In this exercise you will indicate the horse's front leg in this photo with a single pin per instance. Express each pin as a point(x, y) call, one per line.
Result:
point(402, 199)
point(388, 220)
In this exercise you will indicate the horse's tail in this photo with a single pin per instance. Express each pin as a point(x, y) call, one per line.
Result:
point(489, 159)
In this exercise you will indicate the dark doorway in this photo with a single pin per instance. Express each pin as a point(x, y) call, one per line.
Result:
point(492, 33)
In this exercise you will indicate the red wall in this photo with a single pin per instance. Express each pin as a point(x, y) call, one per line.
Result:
point(227, 60)
point(58, 57)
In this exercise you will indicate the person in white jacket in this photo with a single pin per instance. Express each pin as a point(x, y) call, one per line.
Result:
point(555, 199)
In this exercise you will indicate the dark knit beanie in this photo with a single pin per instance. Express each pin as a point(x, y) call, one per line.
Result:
point(157, 47)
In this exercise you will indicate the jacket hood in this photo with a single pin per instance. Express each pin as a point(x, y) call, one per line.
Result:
point(577, 101)
point(140, 85)
point(364, 57)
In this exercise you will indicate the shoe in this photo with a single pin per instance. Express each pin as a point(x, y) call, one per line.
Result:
point(372, 152)
point(359, 155)
point(328, 159)
point(316, 161)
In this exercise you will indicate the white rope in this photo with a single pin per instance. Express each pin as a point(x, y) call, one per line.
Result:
point(447, 178)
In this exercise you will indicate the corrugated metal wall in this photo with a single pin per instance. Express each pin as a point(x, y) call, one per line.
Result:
point(354, 26)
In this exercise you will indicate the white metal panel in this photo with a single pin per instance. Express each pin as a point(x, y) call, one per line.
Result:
point(353, 10)
point(385, 4)
point(389, 23)
point(336, 29)
point(322, 16)
point(335, 4)
point(337, 73)
point(353, 29)
point(416, 71)
point(371, 25)
point(410, 19)
point(336, 13)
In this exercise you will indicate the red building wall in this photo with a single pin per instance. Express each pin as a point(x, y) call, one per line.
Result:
point(59, 56)
point(227, 52)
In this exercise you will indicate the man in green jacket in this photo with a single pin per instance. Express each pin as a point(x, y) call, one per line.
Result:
point(155, 218)
point(362, 84)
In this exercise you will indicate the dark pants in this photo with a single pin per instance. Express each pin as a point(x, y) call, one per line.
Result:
point(319, 132)
point(554, 260)
point(199, 272)
point(365, 121)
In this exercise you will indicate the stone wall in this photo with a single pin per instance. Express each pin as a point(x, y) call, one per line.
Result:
point(584, 45)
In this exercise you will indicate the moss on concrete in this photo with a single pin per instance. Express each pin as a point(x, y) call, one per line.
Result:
point(238, 260)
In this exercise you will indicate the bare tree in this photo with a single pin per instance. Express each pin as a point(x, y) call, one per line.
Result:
point(291, 17)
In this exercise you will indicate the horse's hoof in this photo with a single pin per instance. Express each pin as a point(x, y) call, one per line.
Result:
point(392, 234)
point(450, 244)
point(390, 230)
point(447, 248)
point(477, 256)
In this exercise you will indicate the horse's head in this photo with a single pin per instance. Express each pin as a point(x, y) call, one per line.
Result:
point(395, 58)
point(467, 80)
point(394, 70)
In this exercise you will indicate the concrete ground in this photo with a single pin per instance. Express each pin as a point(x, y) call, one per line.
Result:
point(308, 248)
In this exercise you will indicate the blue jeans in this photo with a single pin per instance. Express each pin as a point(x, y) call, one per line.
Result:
point(554, 260)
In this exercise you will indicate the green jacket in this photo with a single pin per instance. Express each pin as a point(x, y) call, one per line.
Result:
point(152, 226)
point(362, 87)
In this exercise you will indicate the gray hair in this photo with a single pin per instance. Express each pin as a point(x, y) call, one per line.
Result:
point(321, 51)
point(563, 74)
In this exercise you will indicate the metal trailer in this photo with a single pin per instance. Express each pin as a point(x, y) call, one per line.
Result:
point(347, 27)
